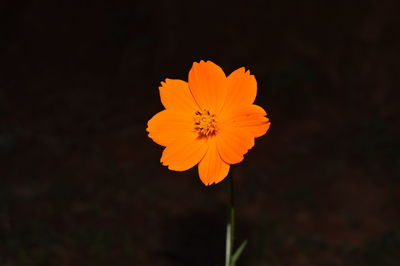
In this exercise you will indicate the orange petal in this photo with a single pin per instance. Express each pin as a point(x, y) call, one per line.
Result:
point(238, 130)
point(207, 82)
point(175, 95)
point(241, 89)
point(233, 143)
point(250, 118)
point(185, 152)
point(167, 126)
point(212, 169)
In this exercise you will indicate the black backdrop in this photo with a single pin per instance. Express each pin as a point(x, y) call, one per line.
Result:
point(81, 184)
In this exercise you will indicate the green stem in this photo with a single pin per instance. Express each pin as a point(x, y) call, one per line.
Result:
point(230, 226)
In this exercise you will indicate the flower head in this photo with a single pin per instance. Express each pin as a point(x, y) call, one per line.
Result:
point(210, 120)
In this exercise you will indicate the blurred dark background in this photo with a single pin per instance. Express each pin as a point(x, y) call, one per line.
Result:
point(81, 183)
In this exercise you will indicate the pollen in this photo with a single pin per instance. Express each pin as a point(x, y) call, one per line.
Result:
point(205, 123)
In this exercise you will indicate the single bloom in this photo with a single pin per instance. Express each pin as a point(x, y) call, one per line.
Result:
point(210, 120)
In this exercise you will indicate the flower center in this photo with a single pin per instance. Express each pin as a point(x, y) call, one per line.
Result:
point(204, 123)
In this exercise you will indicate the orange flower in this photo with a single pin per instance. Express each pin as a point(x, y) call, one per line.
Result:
point(210, 120)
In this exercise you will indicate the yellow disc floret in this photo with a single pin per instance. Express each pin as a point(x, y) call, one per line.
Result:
point(205, 123)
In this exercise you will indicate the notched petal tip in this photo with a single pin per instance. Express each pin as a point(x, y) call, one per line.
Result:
point(200, 62)
point(208, 184)
point(241, 69)
point(163, 83)
point(206, 64)
point(175, 95)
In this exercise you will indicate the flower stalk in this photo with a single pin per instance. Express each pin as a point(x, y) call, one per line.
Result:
point(230, 229)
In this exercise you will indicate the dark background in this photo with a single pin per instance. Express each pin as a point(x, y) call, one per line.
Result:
point(81, 183)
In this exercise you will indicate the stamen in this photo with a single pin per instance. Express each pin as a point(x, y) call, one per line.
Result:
point(205, 123)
